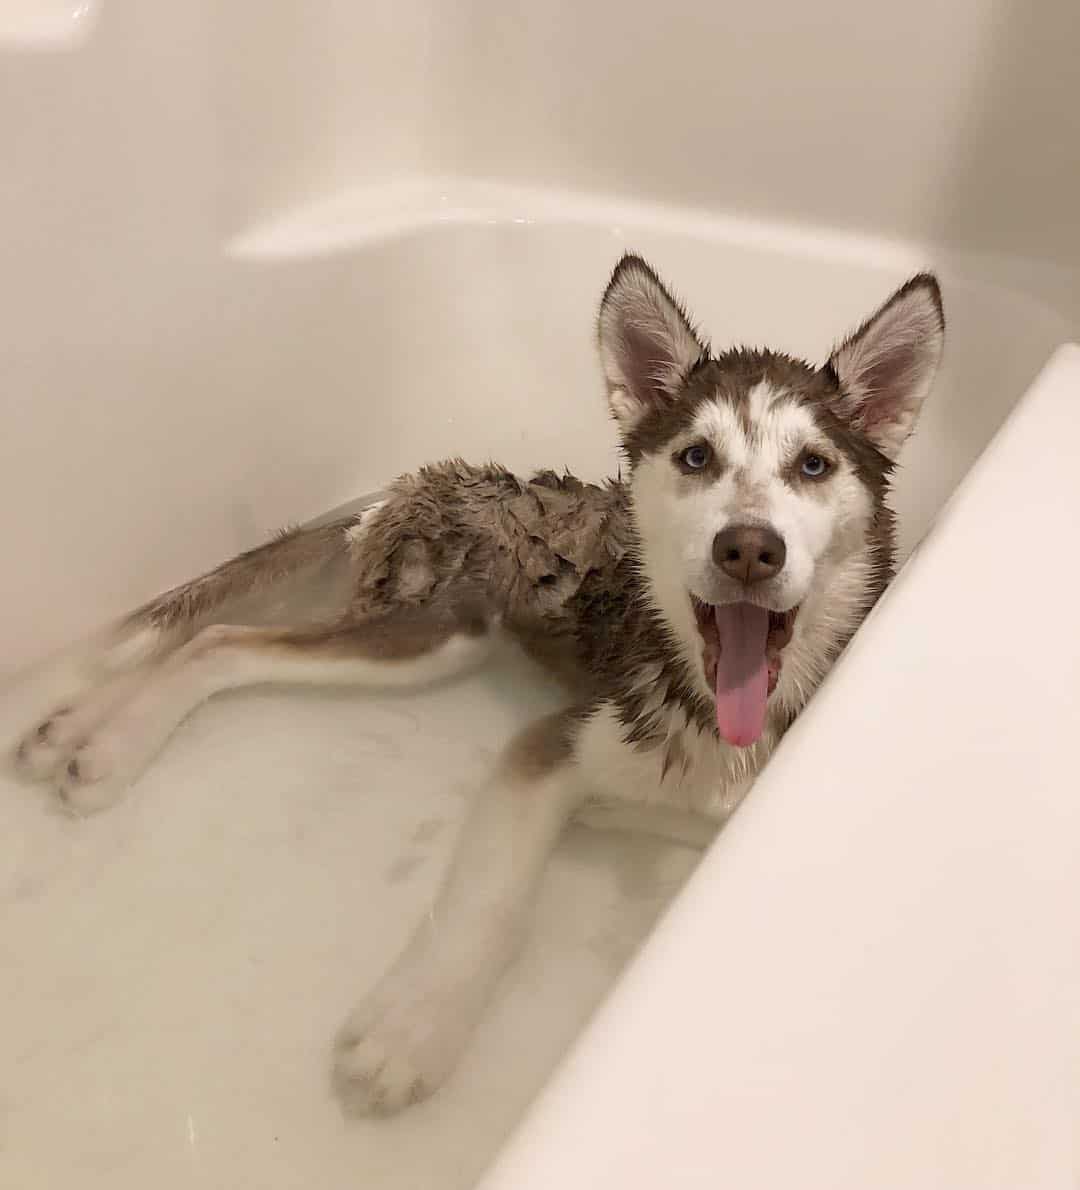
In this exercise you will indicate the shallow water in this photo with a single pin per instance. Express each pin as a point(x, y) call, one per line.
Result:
point(174, 969)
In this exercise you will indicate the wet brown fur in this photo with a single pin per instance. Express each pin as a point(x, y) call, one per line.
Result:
point(555, 558)
point(541, 747)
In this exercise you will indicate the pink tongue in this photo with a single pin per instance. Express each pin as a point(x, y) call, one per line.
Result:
point(742, 672)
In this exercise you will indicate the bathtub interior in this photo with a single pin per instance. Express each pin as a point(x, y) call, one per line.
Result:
point(264, 262)
point(186, 958)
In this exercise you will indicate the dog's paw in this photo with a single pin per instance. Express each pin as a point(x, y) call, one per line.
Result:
point(394, 1052)
point(97, 773)
point(379, 1073)
point(45, 752)
point(88, 760)
point(40, 753)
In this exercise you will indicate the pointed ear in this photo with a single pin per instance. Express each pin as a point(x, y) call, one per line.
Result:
point(887, 366)
point(647, 345)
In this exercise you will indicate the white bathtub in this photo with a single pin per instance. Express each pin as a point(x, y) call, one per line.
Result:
point(256, 262)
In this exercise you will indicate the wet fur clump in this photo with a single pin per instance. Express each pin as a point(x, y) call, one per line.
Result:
point(553, 559)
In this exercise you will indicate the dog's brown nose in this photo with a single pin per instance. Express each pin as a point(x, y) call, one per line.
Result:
point(749, 553)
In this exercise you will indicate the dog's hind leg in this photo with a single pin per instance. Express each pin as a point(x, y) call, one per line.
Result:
point(400, 648)
point(406, 1037)
point(301, 577)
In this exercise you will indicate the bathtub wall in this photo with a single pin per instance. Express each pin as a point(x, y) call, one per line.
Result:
point(313, 96)
point(164, 405)
point(929, 120)
point(136, 135)
point(954, 123)
point(925, 120)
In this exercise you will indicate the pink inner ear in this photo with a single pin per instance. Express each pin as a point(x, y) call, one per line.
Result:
point(644, 365)
point(646, 341)
point(886, 367)
point(886, 387)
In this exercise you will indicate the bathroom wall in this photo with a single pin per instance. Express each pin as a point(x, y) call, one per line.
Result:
point(106, 219)
point(949, 121)
point(136, 136)
point(802, 110)
point(312, 96)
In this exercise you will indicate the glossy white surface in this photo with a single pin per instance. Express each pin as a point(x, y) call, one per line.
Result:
point(46, 24)
point(874, 977)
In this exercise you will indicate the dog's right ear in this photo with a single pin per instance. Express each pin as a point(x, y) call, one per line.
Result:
point(647, 345)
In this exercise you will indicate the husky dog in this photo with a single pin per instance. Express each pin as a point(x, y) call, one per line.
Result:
point(692, 607)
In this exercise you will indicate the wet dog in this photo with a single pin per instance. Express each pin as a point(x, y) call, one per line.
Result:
point(692, 607)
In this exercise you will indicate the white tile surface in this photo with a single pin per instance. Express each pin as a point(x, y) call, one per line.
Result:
point(174, 970)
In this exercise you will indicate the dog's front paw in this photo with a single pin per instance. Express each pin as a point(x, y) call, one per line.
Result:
point(394, 1052)
point(380, 1073)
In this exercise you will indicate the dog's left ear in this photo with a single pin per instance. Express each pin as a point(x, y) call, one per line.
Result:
point(885, 369)
point(647, 345)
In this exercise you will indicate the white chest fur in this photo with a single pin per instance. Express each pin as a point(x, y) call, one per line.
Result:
point(689, 770)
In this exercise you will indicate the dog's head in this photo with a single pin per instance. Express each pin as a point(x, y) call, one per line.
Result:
point(754, 476)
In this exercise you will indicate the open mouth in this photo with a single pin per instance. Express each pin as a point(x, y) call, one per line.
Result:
point(742, 647)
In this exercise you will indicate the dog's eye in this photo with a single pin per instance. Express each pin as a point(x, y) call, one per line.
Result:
point(695, 457)
point(814, 466)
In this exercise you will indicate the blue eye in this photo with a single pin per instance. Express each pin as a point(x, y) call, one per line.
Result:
point(695, 457)
point(814, 466)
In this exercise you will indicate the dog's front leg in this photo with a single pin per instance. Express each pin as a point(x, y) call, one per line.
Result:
point(405, 1038)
